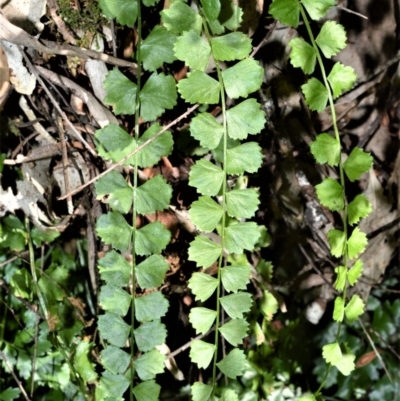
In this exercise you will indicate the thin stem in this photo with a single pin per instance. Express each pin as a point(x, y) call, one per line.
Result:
point(223, 222)
point(341, 170)
point(33, 271)
point(135, 184)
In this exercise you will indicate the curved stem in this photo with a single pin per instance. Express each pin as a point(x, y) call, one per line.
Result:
point(341, 170)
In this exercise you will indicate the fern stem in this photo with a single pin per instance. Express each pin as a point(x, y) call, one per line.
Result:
point(221, 258)
point(333, 113)
point(341, 169)
point(42, 303)
point(135, 184)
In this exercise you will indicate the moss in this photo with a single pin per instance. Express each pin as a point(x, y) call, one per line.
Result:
point(87, 19)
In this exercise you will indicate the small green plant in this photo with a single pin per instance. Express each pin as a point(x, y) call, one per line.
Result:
point(222, 205)
point(133, 306)
point(327, 150)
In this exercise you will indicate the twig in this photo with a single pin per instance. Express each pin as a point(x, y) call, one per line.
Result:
point(139, 148)
point(4, 357)
point(13, 34)
point(32, 117)
point(55, 104)
point(32, 308)
point(384, 341)
point(257, 48)
point(376, 351)
point(310, 261)
point(65, 163)
point(62, 27)
point(352, 12)
point(114, 44)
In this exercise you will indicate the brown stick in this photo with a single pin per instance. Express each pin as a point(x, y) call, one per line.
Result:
point(181, 117)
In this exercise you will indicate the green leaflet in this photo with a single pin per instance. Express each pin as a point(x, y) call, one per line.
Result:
point(303, 55)
point(149, 335)
point(245, 118)
point(234, 83)
point(119, 192)
point(316, 94)
point(357, 163)
point(236, 305)
point(125, 11)
point(201, 391)
point(152, 238)
point(21, 283)
point(233, 364)
point(115, 144)
point(234, 331)
point(355, 272)
point(331, 38)
point(207, 130)
point(114, 269)
point(202, 319)
point(338, 310)
point(206, 177)
point(358, 208)
point(241, 236)
point(229, 395)
point(243, 158)
point(202, 285)
point(242, 203)
point(205, 213)
point(269, 305)
point(157, 48)
point(340, 282)
point(121, 92)
point(235, 278)
point(111, 385)
point(211, 9)
point(150, 273)
point(331, 194)
point(193, 50)
point(231, 15)
point(158, 94)
point(150, 307)
point(202, 353)
point(337, 241)
point(354, 308)
point(114, 299)
point(154, 195)
point(179, 17)
point(203, 251)
point(341, 79)
point(82, 363)
point(232, 46)
point(158, 147)
point(326, 149)
point(113, 329)
point(286, 11)
point(317, 9)
point(149, 365)
point(147, 391)
point(114, 230)
point(115, 359)
point(199, 87)
point(356, 243)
